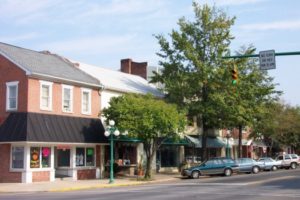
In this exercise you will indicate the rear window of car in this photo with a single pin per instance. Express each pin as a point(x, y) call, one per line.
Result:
point(287, 157)
point(294, 156)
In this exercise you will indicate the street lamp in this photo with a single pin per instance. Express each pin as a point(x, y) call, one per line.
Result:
point(110, 132)
point(227, 145)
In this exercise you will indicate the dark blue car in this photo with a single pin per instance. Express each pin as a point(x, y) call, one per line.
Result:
point(225, 166)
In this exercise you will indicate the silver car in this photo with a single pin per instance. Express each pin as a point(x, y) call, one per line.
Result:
point(270, 164)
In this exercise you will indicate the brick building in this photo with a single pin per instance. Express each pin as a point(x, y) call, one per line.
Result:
point(49, 125)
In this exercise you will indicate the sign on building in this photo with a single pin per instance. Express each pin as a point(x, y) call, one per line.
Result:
point(267, 60)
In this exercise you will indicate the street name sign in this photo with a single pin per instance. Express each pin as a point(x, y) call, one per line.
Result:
point(267, 60)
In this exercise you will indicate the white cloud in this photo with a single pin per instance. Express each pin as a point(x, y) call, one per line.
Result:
point(277, 25)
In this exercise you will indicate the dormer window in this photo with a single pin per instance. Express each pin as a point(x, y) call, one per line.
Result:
point(67, 98)
point(46, 95)
point(12, 95)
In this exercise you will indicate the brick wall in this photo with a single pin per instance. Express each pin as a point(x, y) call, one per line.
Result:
point(98, 156)
point(86, 174)
point(130, 67)
point(10, 72)
point(6, 175)
point(40, 176)
point(34, 100)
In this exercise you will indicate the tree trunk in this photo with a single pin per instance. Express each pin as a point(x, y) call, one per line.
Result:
point(148, 174)
point(240, 151)
point(204, 139)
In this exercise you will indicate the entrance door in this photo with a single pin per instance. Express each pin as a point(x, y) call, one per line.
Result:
point(62, 160)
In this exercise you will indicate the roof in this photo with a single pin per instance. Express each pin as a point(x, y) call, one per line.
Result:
point(120, 81)
point(37, 127)
point(45, 64)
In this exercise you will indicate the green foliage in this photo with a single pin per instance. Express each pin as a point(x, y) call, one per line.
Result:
point(148, 119)
point(192, 63)
point(145, 117)
point(279, 124)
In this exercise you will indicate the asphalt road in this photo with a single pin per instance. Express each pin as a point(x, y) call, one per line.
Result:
point(279, 185)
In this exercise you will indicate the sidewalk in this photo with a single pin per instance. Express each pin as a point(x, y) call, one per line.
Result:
point(69, 185)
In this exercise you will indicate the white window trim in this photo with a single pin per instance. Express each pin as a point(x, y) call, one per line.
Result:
point(13, 83)
point(71, 96)
point(24, 158)
point(50, 95)
point(89, 112)
point(85, 153)
point(40, 156)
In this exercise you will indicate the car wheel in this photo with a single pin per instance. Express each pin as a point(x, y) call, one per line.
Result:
point(255, 170)
point(195, 174)
point(293, 166)
point(274, 168)
point(227, 172)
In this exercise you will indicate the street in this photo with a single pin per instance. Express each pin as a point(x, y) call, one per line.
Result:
point(282, 184)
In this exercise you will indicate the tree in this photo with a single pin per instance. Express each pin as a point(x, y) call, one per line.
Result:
point(192, 63)
point(250, 95)
point(279, 125)
point(148, 119)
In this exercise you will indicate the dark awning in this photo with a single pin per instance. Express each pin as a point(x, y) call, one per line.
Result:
point(36, 127)
point(124, 138)
point(178, 142)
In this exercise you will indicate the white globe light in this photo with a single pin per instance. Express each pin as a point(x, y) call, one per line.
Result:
point(125, 133)
point(117, 133)
point(106, 133)
point(111, 122)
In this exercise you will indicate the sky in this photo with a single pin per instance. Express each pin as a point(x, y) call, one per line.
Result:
point(102, 32)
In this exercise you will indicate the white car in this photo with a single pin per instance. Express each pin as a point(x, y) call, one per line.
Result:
point(270, 164)
point(289, 161)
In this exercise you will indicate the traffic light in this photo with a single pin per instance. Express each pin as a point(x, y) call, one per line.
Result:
point(234, 75)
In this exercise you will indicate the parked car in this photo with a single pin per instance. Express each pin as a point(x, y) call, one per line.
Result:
point(289, 161)
point(248, 165)
point(225, 166)
point(270, 163)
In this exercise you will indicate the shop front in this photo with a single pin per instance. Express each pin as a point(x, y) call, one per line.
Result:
point(44, 147)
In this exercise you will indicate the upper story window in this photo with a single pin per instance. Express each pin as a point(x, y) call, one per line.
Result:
point(12, 95)
point(46, 95)
point(67, 98)
point(86, 99)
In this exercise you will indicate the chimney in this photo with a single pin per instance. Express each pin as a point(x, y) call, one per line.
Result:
point(135, 68)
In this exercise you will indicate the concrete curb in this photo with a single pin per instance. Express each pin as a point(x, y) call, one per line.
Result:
point(67, 189)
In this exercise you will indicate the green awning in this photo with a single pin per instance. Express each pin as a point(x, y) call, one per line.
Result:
point(179, 142)
point(124, 138)
point(216, 142)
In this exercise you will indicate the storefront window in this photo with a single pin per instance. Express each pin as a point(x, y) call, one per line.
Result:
point(34, 157)
point(17, 157)
point(40, 157)
point(46, 154)
point(80, 156)
point(85, 157)
point(90, 156)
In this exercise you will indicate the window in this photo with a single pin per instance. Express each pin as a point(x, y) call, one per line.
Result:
point(85, 157)
point(40, 157)
point(46, 95)
point(12, 95)
point(67, 98)
point(86, 101)
point(17, 157)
